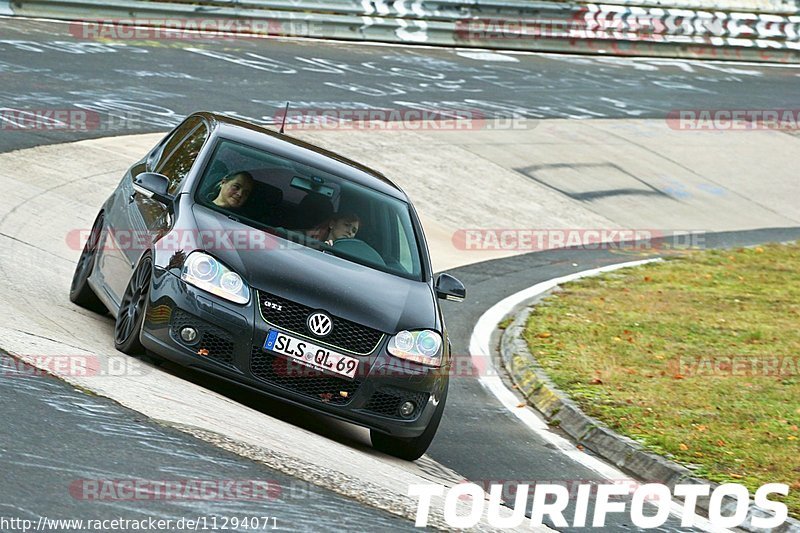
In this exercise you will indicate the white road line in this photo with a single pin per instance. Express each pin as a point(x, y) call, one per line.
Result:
point(479, 346)
point(767, 64)
point(487, 56)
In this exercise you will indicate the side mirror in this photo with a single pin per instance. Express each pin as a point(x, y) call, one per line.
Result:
point(449, 288)
point(153, 185)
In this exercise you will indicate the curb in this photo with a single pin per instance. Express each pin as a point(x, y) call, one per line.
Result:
point(625, 453)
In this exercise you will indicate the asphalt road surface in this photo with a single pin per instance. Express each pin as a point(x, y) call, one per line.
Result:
point(65, 455)
point(150, 86)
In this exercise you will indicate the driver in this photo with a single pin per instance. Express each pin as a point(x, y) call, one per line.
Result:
point(344, 226)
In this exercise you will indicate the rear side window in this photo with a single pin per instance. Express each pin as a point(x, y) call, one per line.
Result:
point(181, 151)
point(160, 153)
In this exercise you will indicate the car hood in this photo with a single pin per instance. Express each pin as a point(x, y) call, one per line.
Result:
point(355, 292)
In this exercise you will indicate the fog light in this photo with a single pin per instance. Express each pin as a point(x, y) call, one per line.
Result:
point(407, 409)
point(188, 335)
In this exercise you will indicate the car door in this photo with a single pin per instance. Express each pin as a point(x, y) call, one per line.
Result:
point(113, 266)
point(150, 217)
point(139, 219)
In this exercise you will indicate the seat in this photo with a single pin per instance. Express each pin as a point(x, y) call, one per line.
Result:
point(211, 181)
point(313, 209)
point(264, 204)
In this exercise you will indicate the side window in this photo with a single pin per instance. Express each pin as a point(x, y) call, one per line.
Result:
point(180, 154)
point(168, 144)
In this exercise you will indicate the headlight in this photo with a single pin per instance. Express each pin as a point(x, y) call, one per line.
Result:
point(205, 272)
point(424, 347)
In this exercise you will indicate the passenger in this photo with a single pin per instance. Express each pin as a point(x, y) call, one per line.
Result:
point(234, 190)
point(337, 227)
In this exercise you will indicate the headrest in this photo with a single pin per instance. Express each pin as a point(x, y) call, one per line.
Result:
point(313, 210)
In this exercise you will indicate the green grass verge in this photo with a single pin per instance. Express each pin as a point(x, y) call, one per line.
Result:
point(696, 358)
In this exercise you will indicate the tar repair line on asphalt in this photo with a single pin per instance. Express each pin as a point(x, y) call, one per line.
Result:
point(479, 346)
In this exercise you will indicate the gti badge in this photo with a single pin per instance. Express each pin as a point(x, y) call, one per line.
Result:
point(319, 324)
point(271, 305)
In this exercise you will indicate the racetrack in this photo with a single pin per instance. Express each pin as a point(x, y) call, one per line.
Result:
point(547, 174)
point(149, 85)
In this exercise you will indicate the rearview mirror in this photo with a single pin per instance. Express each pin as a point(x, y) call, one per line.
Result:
point(449, 288)
point(153, 185)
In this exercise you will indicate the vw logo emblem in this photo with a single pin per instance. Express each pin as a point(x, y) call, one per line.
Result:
point(319, 324)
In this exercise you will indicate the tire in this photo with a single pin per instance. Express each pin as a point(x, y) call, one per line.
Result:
point(80, 292)
point(131, 313)
point(409, 448)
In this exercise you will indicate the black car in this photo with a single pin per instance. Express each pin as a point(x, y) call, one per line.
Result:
point(280, 266)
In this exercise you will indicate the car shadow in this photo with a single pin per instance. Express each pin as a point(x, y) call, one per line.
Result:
point(323, 425)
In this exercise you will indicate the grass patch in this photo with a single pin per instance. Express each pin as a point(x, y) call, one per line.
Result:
point(696, 358)
point(505, 323)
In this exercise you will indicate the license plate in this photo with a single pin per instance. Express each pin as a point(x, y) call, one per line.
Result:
point(309, 354)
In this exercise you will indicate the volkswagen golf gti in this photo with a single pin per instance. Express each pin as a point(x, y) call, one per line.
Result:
point(272, 263)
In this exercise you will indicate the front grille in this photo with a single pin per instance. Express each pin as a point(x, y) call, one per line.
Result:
point(215, 343)
point(345, 335)
point(386, 401)
point(288, 374)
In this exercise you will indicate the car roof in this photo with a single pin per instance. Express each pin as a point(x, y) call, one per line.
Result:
point(260, 137)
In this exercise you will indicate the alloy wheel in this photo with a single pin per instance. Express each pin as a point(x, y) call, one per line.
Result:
point(133, 303)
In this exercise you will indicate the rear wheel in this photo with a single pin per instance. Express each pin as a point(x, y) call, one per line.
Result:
point(80, 292)
point(409, 448)
point(131, 311)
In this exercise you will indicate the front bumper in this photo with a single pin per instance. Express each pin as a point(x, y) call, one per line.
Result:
point(230, 345)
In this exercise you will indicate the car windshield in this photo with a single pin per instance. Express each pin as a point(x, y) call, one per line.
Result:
point(311, 207)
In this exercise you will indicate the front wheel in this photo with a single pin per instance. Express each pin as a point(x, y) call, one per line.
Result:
point(80, 292)
point(131, 311)
point(409, 448)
